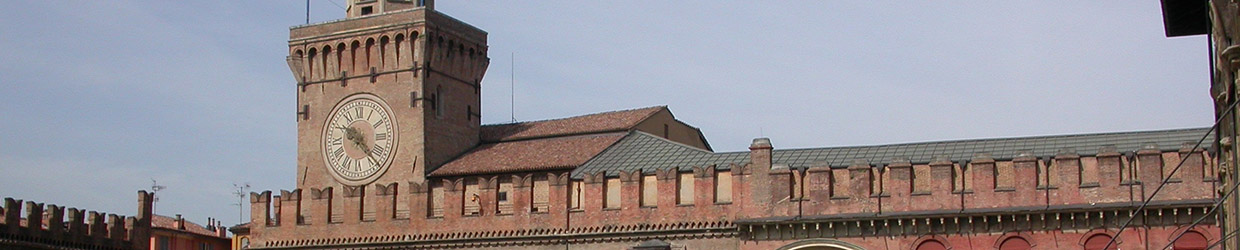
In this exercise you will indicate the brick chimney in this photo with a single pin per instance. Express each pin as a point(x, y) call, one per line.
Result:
point(179, 223)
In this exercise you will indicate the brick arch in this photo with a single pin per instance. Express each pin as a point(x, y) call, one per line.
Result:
point(815, 244)
point(1098, 241)
point(930, 242)
point(1013, 240)
point(1190, 243)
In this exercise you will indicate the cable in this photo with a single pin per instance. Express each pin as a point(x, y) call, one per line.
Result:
point(1133, 214)
point(1224, 239)
point(1213, 209)
point(336, 4)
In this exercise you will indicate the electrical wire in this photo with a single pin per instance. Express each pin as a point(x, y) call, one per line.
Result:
point(1133, 215)
point(1224, 239)
point(1213, 209)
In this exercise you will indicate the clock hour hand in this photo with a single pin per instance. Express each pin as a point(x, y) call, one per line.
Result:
point(368, 152)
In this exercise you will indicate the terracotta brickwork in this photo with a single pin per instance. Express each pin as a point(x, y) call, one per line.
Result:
point(458, 184)
point(836, 197)
point(35, 225)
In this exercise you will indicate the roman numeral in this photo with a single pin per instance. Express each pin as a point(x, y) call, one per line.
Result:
point(381, 121)
point(338, 153)
point(335, 141)
point(381, 136)
point(359, 112)
point(380, 152)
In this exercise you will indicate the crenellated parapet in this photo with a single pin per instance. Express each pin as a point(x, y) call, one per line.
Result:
point(1070, 188)
point(28, 224)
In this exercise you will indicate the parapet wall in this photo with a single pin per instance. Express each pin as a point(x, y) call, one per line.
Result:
point(55, 227)
point(759, 190)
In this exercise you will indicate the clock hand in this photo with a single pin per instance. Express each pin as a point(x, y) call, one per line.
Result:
point(369, 153)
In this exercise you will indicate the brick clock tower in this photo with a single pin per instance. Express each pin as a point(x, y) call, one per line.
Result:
point(384, 95)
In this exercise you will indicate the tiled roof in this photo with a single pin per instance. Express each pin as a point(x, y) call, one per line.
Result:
point(640, 150)
point(169, 223)
point(647, 152)
point(613, 121)
point(553, 153)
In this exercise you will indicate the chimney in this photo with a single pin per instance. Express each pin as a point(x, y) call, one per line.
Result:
point(760, 153)
point(180, 222)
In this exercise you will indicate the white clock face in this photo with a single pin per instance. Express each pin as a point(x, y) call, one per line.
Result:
point(358, 139)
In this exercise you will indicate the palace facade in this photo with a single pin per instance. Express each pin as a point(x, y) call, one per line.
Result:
point(392, 155)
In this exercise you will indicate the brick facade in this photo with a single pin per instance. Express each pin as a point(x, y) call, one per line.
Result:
point(428, 67)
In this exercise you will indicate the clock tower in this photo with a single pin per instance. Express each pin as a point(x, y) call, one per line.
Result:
point(384, 94)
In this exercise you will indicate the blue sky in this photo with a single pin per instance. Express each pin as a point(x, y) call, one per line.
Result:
point(101, 97)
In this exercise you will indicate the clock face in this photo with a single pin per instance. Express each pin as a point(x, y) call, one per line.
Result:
point(358, 139)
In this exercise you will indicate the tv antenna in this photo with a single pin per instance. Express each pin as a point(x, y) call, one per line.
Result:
point(240, 193)
point(155, 187)
point(512, 87)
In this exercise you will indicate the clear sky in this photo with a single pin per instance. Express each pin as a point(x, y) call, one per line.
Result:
point(97, 98)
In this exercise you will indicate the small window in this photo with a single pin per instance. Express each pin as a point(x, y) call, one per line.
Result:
point(502, 204)
point(686, 189)
point(163, 243)
point(368, 10)
point(437, 200)
point(650, 191)
point(473, 197)
point(723, 187)
point(542, 193)
point(612, 188)
point(576, 189)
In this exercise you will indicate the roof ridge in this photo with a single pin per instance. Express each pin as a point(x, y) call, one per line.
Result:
point(672, 142)
point(1006, 138)
point(577, 116)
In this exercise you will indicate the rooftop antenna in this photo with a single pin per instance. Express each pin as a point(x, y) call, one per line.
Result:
point(307, 11)
point(240, 193)
point(512, 85)
point(155, 187)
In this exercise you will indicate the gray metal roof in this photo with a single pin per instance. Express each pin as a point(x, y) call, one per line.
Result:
point(648, 152)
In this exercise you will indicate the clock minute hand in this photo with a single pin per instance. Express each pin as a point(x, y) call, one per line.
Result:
point(369, 154)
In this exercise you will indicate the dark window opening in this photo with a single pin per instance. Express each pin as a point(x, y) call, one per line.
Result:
point(503, 196)
point(367, 10)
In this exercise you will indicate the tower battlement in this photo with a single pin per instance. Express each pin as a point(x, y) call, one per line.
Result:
point(57, 226)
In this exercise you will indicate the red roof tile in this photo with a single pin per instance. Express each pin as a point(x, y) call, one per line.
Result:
point(169, 223)
point(529, 155)
point(613, 121)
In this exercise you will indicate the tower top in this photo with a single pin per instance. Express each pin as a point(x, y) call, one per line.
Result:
point(359, 8)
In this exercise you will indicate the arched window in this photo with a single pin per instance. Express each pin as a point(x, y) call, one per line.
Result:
point(1015, 243)
point(413, 46)
point(327, 50)
point(400, 40)
point(383, 45)
point(1191, 240)
point(1098, 241)
point(353, 57)
point(931, 245)
point(370, 43)
point(340, 58)
point(310, 63)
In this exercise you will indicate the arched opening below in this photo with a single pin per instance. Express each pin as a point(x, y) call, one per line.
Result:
point(1015, 243)
point(820, 244)
point(931, 245)
point(1098, 241)
point(1191, 241)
